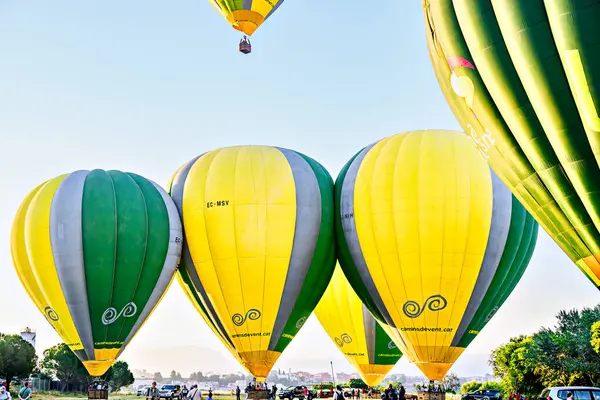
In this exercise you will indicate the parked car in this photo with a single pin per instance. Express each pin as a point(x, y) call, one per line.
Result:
point(579, 393)
point(169, 391)
point(295, 392)
point(143, 390)
point(484, 394)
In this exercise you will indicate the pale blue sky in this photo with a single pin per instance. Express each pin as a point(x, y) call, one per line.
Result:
point(144, 86)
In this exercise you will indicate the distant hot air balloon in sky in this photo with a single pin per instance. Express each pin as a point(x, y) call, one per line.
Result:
point(355, 332)
point(523, 80)
point(259, 245)
point(246, 15)
point(431, 240)
point(96, 251)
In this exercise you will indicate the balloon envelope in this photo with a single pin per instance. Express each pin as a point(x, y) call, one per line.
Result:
point(96, 251)
point(431, 240)
point(259, 245)
point(247, 15)
point(357, 334)
point(523, 80)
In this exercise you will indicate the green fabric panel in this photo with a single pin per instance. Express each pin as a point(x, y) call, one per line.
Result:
point(518, 250)
point(384, 355)
point(99, 239)
point(546, 95)
point(145, 276)
point(323, 262)
point(488, 53)
point(343, 253)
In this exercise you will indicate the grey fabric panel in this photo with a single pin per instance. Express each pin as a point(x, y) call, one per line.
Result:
point(349, 227)
point(169, 267)
point(370, 329)
point(248, 4)
point(67, 250)
point(280, 2)
point(306, 233)
point(177, 194)
point(500, 226)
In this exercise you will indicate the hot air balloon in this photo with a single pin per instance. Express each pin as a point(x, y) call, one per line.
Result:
point(357, 334)
point(523, 80)
point(258, 245)
point(431, 240)
point(96, 251)
point(246, 16)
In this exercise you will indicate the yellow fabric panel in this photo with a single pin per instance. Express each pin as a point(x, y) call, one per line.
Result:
point(591, 268)
point(239, 213)
point(423, 206)
point(99, 368)
point(263, 7)
point(372, 374)
point(19, 253)
point(340, 313)
point(259, 363)
point(245, 21)
point(41, 260)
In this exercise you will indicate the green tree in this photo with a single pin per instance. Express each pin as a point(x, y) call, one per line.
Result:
point(470, 387)
point(358, 384)
point(491, 385)
point(158, 377)
point(63, 364)
point(119, 376)
point(596, 336)
point(451, 383)
point(17, 358)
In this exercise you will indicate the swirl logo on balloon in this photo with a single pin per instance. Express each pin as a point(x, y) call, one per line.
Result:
point(51, 314)
point(392, 345)
point(252, 314)
point(343, 339)
point(110, 315)
point(300, 322)
point(412, 309)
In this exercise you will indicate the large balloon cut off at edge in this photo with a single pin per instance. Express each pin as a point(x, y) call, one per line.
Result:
point(96, 251)
point(523, 80)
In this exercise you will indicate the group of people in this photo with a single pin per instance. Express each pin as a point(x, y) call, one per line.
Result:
point(24, 393)
point(394, 394)
point(194, 393)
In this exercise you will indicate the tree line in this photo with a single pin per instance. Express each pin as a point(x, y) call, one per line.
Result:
point(19, 361)
point(566, 355)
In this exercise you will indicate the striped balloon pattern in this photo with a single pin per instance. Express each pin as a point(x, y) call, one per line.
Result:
point(96, 251)
point(431, 240)
point(259, 245)
point(246, 15)
point(523, 80)
point(350, 325)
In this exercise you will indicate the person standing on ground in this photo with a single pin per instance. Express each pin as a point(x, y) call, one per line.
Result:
point(4, 394)
point(338, 395)
point(25, 392)
point(195, 393)
point(402, 393)
point(237, 393)
point(153, 392)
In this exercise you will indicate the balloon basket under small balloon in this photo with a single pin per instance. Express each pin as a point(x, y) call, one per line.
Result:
point(431, 396)
point(96, 394)
point(258, 394)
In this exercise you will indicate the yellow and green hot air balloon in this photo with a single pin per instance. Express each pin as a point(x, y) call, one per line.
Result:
point(523, 80)
point(431, 240)
point(259, 245)
point(357, 334)
point(96, 251)
point(246, 15)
